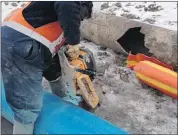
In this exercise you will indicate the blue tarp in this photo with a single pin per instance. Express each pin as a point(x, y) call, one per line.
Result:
point(60, 117)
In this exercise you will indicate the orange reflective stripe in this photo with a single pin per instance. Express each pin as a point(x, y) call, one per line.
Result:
point(50, 34)
point(10, 14)
point(47, 31)
point(14, 12)
point(28, 32)
point(35, 35)
point(18, 18)
point(58, 40)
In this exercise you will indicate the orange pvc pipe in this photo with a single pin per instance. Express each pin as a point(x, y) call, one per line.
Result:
point(132, 60)
point(157, 77)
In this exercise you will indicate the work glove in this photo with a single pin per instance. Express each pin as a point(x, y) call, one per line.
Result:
point(73, 51)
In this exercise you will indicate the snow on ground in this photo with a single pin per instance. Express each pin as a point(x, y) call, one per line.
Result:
point(7, 7)
point(163, 14)
point(124, 101)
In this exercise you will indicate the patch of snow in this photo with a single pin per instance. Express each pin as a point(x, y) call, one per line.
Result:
point(165, 16)
point(125, 101)
point(8, 7)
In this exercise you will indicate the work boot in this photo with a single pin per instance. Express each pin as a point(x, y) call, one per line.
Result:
point(58, 87)
point(20, 128)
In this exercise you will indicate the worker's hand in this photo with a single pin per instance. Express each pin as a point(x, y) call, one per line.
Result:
point(73, 51)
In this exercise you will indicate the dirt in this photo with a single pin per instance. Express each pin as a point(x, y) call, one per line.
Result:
point(140, 6)
point(153, 8)
point(23, 5)
point(128, 103)
point(14, 4)
point(6, 3)
point(130, 16)
point(150, 20)
point(104, 6)
point(172, 22)
point(125, 101)
point(128, 4)
point(118, 4)
point(125, 10)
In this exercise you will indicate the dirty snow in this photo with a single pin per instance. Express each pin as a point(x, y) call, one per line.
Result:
point(125, 101)
point(163, 14)
point(7, 7)
point(128, 103)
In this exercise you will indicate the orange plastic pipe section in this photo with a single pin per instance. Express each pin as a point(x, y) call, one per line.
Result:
point(157, 77)
point(132, 60)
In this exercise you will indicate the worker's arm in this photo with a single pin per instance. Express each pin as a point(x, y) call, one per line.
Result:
point(68, 14)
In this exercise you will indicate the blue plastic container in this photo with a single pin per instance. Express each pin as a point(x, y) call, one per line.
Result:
point(60, 117)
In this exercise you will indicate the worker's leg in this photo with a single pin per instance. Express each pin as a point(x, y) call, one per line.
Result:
point(58, 87)
point(53, 74)
point(22, 66)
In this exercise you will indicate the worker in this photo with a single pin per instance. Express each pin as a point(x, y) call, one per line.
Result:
point(29, 38)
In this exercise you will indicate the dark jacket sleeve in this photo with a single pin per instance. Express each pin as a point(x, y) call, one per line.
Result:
point(86, 9)
point(68, 14)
